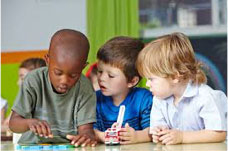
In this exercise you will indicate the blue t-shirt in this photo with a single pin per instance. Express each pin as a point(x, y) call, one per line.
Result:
point(138, 105)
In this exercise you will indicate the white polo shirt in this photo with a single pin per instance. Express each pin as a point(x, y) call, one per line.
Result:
point(201, 107)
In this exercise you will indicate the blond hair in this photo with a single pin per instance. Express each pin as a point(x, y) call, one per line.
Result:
point(170, 56)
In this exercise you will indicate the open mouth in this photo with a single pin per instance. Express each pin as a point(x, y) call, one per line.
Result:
point(102, 88)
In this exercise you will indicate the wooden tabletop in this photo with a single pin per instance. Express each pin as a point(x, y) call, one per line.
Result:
point(8, 146)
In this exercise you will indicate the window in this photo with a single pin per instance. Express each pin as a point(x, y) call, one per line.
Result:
point(193, 17)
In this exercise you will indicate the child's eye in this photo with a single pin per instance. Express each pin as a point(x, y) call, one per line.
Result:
point(74, 76)
point(111, 76)
point(57, 72)
point(99, 71)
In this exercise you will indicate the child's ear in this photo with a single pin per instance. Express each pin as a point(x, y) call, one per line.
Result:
point(133, 82)
point(177, 78)
point(46, 57)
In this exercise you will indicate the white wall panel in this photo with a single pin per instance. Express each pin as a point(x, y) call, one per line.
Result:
point(29, 24)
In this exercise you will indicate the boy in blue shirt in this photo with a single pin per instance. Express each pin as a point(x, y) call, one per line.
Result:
point(117, 78)
point(56, 104)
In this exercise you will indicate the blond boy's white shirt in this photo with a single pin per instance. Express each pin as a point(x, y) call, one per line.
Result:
point(201, 107)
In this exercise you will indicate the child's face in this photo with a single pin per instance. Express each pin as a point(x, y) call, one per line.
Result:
point(160, 87)
point(64, 72)
point(22, 73)
point(112, 81)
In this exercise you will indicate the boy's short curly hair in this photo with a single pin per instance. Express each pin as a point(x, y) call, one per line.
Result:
point(121, 52)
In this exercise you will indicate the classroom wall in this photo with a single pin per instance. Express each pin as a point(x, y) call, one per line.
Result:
point(26, 28)
point(29, 24)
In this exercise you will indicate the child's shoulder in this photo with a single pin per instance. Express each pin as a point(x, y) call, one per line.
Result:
point(204, 89)
point(85, 84)
point(206, 93)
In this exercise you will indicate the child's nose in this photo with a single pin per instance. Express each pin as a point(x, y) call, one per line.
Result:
point(102, 77)
point(64, 80)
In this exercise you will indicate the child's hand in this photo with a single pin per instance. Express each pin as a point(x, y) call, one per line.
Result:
point(171, 137)
point(82, 140)
point(100, 136)
point(41, 128)
point(128, 135)
point(156, 133)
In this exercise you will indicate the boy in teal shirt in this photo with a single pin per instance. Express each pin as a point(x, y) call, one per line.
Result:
point(56, 104)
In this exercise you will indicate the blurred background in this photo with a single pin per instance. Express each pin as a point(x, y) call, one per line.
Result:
point(27, 26)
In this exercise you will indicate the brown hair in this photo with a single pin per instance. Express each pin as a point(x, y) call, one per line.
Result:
point(169, 56)
point(33, 63)
point(121, 52)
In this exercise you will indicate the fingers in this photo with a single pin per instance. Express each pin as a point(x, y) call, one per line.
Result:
point(154, 131)
point(164, 132)
point(125, 142)
point(125, 134)
point(45, 130)
point(70, 137)
point(114, 125)
point(93, 143)
point(48, 129)
point(74, 139)
point(127, 125)
point(166, 139)
point(155, 135)
point(155, 138)
point(40, 128)
point(82, 140)
point(33, 129)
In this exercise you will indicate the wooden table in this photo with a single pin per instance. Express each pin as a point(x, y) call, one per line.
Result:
point(8, 146)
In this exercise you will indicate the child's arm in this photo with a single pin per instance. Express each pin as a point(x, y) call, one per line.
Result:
point(128, 135)
point(19, 124)
point(85, 136)
point(202, 136)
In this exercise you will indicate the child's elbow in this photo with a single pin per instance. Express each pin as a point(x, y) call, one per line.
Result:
point(221, 136)
point(11, 125)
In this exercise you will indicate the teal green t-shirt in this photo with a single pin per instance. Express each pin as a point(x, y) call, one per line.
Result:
point(63, 112)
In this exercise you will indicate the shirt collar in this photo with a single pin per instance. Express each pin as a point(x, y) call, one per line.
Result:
point(191, 90)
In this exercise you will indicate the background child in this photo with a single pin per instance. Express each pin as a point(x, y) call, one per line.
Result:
point(185, 109)
point(27, 66)
point(92, 75)
point(117, 76)
point(47, 93)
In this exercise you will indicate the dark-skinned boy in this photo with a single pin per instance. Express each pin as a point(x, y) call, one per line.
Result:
point(56, 104)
